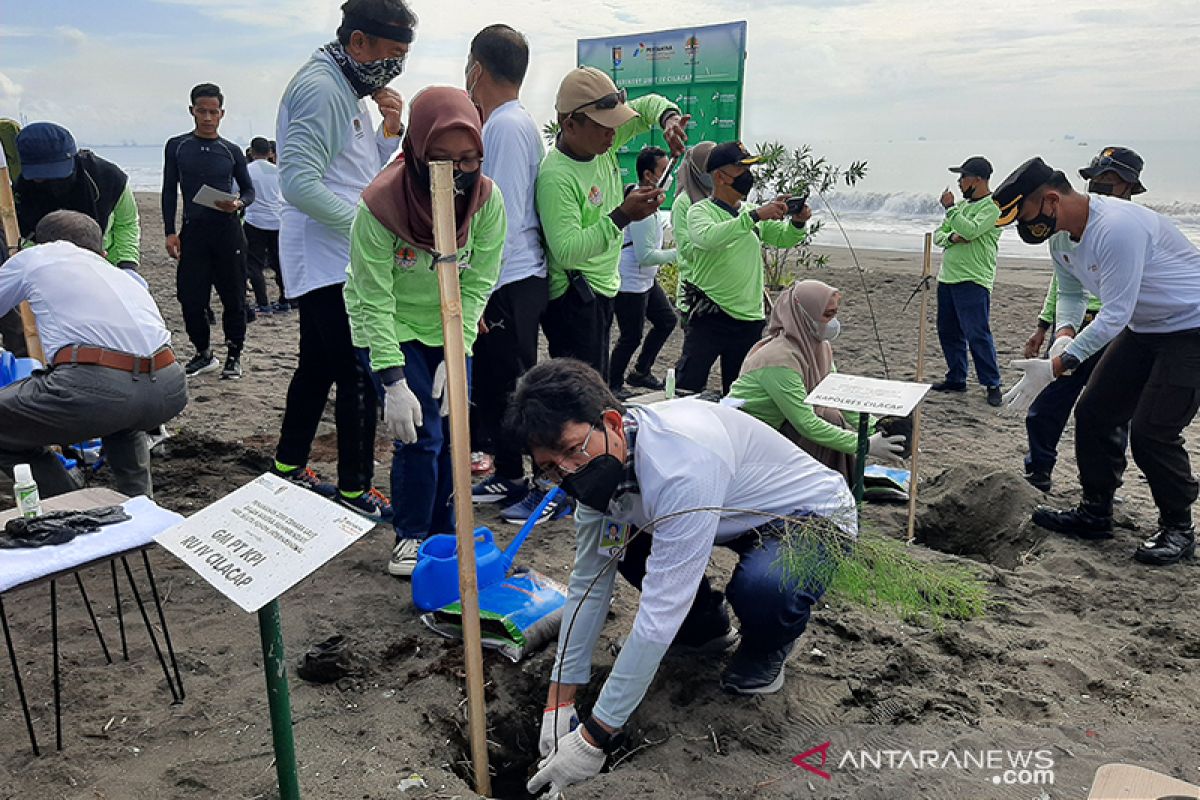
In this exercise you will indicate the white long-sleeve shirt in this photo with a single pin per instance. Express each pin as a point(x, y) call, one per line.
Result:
point(512, 153)
point(642, 253)
point(1144, 270)
point(78, 298)
point(689, 455)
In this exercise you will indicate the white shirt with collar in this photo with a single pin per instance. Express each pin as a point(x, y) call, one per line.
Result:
point(79, 298)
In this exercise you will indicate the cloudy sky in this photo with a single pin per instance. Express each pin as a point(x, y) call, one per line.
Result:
point(817, 69)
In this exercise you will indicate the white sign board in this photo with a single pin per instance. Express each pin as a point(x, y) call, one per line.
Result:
point(867, 395)
point(257, 542)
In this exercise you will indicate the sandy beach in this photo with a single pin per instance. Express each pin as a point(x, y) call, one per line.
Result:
point(1083, 653)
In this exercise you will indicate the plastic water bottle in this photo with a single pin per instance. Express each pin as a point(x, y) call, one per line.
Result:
point(670, 383)
point(29, 502)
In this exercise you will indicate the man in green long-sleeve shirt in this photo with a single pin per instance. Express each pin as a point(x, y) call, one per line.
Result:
point(582, 213)
point(970, 240)
point(725, 317)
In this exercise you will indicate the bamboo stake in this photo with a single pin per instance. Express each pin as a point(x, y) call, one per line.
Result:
point(12, 236)
point(926, 272)
point(455, 353)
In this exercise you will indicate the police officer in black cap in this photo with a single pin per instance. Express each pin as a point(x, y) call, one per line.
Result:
point(1147, 276)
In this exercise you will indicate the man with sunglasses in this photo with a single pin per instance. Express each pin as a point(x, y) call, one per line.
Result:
point(659, 487)
point(579, 200)
point(1115, 172)
point(1147, 276)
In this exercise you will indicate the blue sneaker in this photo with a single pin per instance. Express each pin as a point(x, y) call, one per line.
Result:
point(497, 490)
point(518, 513)
point(370, 504)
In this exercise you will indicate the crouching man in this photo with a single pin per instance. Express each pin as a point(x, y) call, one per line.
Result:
point(111, 374)
point(664, 485)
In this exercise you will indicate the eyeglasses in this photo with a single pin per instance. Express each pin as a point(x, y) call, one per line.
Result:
point(1103, 162)
point(609, 101)
point(558, 470)
point(469, 164)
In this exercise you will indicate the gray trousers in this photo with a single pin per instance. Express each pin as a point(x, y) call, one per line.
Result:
point(72, 403)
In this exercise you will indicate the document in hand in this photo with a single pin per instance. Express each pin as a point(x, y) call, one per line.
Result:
point(208, 196)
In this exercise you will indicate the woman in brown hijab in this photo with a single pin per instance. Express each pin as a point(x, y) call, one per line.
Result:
point(395, 308)
point(794, 357)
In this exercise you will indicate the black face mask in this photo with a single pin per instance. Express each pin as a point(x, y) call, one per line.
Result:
point(597, 482)
point(743, 183)
point(968, 193)
point(464, 182)
point(61, 188)
point(1038, 229)
point(1101, 188)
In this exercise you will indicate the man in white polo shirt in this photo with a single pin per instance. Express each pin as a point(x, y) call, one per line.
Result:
point(710, 476)
point(112, 372)
point(261, 226)
point(1147, 276)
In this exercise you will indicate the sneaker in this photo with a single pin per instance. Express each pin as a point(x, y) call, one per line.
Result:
point(947, 386)
point(1170, 545)
point(518, 513)
point(233, 369)
point(370, 504)
point(481, 464)
point(201, 363)
point(1087, 520)
point(995, 398)
point(404, 558)
point(720, 643)
point(250, 315)
point(496, 490)
point(644, 380)
point(308, 479)
point(282, 307)
point(266, 310)
point(1038, 479)
point(752, 671)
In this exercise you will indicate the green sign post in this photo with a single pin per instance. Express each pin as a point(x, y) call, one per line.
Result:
point(701, 69)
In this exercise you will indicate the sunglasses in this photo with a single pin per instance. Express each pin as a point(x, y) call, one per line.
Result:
point(1103, 162)
point(609, 101)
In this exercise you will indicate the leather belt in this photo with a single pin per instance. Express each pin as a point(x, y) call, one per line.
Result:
point(114, 359)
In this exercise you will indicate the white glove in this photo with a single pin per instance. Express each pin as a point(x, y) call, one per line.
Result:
point(575, 761)
point(1060, 346)
point(401, 412)
point(439, 388)
point(883, 446)
point(1039, 373)
point(556, 723)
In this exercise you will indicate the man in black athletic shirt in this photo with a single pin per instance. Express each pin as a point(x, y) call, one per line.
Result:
point(210, 247)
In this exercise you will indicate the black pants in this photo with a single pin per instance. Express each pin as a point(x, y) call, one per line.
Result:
point(327, 357)
point(712, 336)
point(213, 256)
point(1152, 382)
point(262, 254)
point(579, 329)
point(501, 356)
point(632, 309)
point(12, 334)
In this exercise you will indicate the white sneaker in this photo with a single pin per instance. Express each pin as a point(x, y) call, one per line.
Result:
point(404, 558)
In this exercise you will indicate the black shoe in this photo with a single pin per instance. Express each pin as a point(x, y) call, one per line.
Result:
point(622, 394)
point(995, 397)
point(1087, 521)
point(250, 314)
point(1170, 545)
point(753, 671)
point(644, 380)
point(1038, 479)
point(201, 363)
point(233, 369)
point(947, 386)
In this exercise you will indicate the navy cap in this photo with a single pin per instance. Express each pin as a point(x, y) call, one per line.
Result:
point(47, 152)
point(727, 154)
point(1121, 160)
point(975, 167)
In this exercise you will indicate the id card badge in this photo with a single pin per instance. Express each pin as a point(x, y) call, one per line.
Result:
point(613, 536)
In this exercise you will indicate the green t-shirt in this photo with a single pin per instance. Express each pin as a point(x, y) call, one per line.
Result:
point(683, 243)
point(1061, 242)
point(574, 199)
point(775, 395)
point(975, 259)
point(726, 260)
point(392, 291)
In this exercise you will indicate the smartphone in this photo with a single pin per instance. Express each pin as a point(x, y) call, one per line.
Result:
point(796, 204)
point(668, 174)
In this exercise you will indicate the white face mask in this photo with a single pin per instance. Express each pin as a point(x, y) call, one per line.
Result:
point(831, 330)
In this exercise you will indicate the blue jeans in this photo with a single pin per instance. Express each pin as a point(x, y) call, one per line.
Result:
point(422, 481)
point(962, 322)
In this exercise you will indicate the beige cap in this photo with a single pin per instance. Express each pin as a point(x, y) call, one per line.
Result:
point(585, 85)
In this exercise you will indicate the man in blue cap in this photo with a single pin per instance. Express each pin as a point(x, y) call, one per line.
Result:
point(58, 176)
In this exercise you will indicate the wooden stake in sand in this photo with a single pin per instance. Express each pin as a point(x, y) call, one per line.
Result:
point(12, 236)
point(455, 350)
point(926, 274)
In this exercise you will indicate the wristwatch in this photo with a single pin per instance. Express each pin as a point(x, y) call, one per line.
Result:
point(1068, 362)
point(608, 741)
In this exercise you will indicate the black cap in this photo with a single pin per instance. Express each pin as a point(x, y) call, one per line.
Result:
point(1120, 160)
point(727, 153)
point(1024, 180)
point(975, 167)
